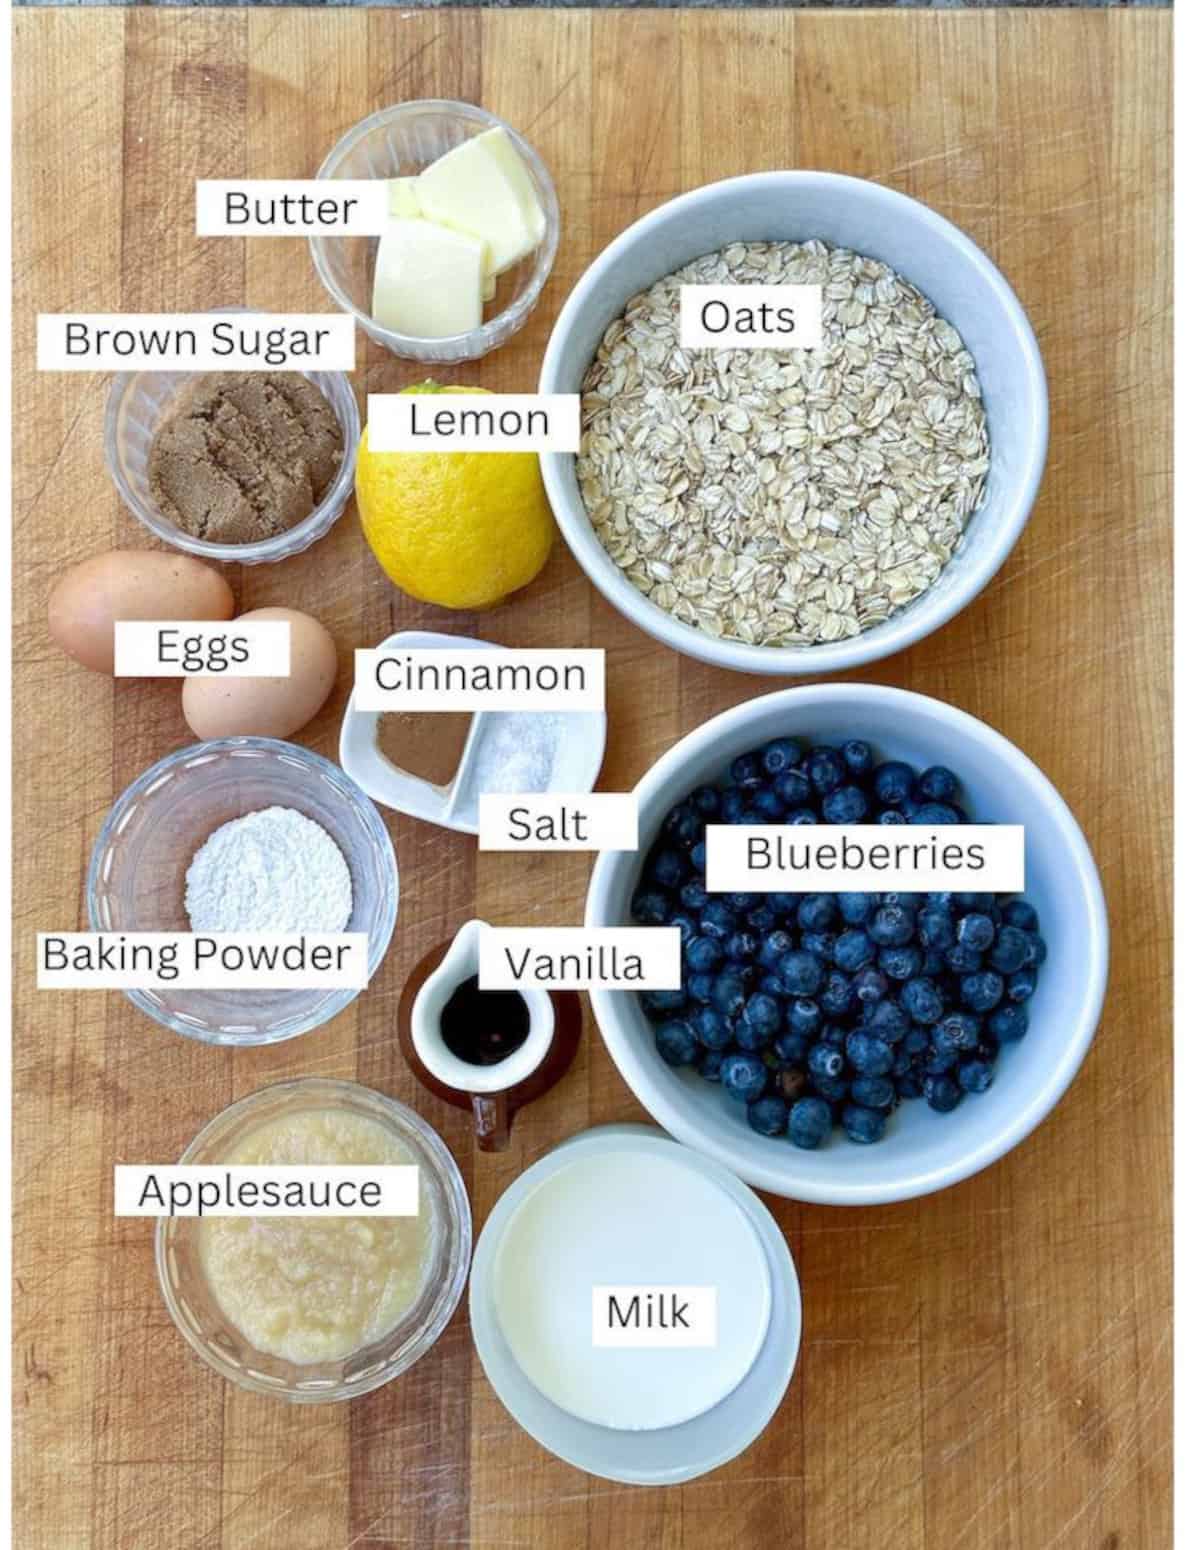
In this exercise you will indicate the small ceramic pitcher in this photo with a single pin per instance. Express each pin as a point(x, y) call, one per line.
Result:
point(487, 1086)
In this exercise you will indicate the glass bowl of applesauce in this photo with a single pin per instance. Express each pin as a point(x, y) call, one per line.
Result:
point(318, 1309)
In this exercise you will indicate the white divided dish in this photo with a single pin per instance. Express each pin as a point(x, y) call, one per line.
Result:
point(494, 751)
point(623, 1205)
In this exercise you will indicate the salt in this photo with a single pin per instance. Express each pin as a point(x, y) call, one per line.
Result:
point(521, 751)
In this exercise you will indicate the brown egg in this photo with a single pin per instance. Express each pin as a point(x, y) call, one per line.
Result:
point(267, 707)
point(130, 584)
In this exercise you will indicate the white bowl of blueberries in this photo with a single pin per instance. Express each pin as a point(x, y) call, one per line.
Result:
point(854, 1048)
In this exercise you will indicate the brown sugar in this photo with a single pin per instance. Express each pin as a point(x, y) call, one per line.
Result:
point(243, 456)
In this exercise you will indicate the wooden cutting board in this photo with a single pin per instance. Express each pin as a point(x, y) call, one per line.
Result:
point(987, 1369)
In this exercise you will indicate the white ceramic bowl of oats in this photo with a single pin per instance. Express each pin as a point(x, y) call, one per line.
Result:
point(827, 570)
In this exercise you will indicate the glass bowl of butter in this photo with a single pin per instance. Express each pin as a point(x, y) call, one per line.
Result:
point(318, 1307)
point(471, 236)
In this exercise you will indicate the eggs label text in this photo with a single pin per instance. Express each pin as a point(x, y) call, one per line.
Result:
point(471, 422)
point(580, 957)
point(742, 317)
point(160, 648)
point(194, 960)
point(195, 341)
point(819, 858)
point(605, 820)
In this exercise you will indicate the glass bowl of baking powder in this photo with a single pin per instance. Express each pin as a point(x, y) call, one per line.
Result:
point(137, 878)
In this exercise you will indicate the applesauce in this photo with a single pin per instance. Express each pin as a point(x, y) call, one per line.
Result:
point(316, 1289)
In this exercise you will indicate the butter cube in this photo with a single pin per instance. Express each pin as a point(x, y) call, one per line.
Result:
point(428, 280)
point(402, 198)
point(484, 188)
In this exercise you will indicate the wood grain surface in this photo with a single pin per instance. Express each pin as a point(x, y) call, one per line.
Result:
point(986, 1369)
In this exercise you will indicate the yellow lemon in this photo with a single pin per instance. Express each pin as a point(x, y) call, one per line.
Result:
point(460, 529)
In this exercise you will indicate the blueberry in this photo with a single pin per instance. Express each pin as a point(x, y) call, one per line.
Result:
point(803, 1017)
point(978, 933)
point(935, 812)
point(1008, 1024)
point(975, 1076)
point(664, 1000)
point(702, 953)
point(731, 804)
point(889, 1020)
point(698, 856)
point(833, 1034)
point(900, 963)
point(857, 756)
point(956, 1032)
point(825, 1060)
point(933, 964)
point(868, 1054)
point(685, 924)
point(810, 1121)
point(741, 947)
point(717, 920)
point(981, 992)
point(856, 908)
point(920, 999)
point(935, 927)
point(825, 768)
point(761, 919)
point(1008, 952)
point(892, 925)
point(764, 1012)
point(865, 1126)
point(749, 1036)
point(784, 753)
point(915, 1041)
point(1022, 985)
point(942, 1093)
point(668, 869)
point(708, 1063)
point(729, 994)
point(892, 815)
point(745, 770)
point(1035, 951)
point(693, 895)
point(792, 789)
point(650, 908)
point(740, 902)
point(802, 816)
point(941, 1062)
point(707, 801)
point(894, 782)
point(908, 901)
point(984, 902)
point(873, 1092)
point(870, 985)
point(800, 972)
point(837, 995)
point(792, 1048)
point(676, 1043)
point(909, 809)
point(853, 950)
point(938, 784)
point(772, 985)
point(774, 947)
point(768, 807)
point(682, 820)
point(845, 805)
point(1020, 913)
point(711, 1028)
point(743, 1077)
point(768, 1116)
point(699, 988)
point(819, 943)
point(817, 912)
point(963, 960)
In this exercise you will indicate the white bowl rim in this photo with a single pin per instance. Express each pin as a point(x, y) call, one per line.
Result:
point(942, 601)
point(660, 1100)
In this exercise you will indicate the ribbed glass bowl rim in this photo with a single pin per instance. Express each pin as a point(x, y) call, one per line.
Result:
point(266, 550)
point(519, 306)
point(389, 903)
point(459, 1238)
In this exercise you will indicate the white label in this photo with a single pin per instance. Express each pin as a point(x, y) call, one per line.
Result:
point(580, 957)
point(839, 858)
point(605, 820)
point(260, 1189)
point(291, 207)
point(473, 422)
point(431, 678)
point(165, 648)
point(654, 1316)
point(743, 317)
point(195, 341)
point(192, 960)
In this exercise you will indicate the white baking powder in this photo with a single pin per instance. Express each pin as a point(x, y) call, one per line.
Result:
point(274, 870)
